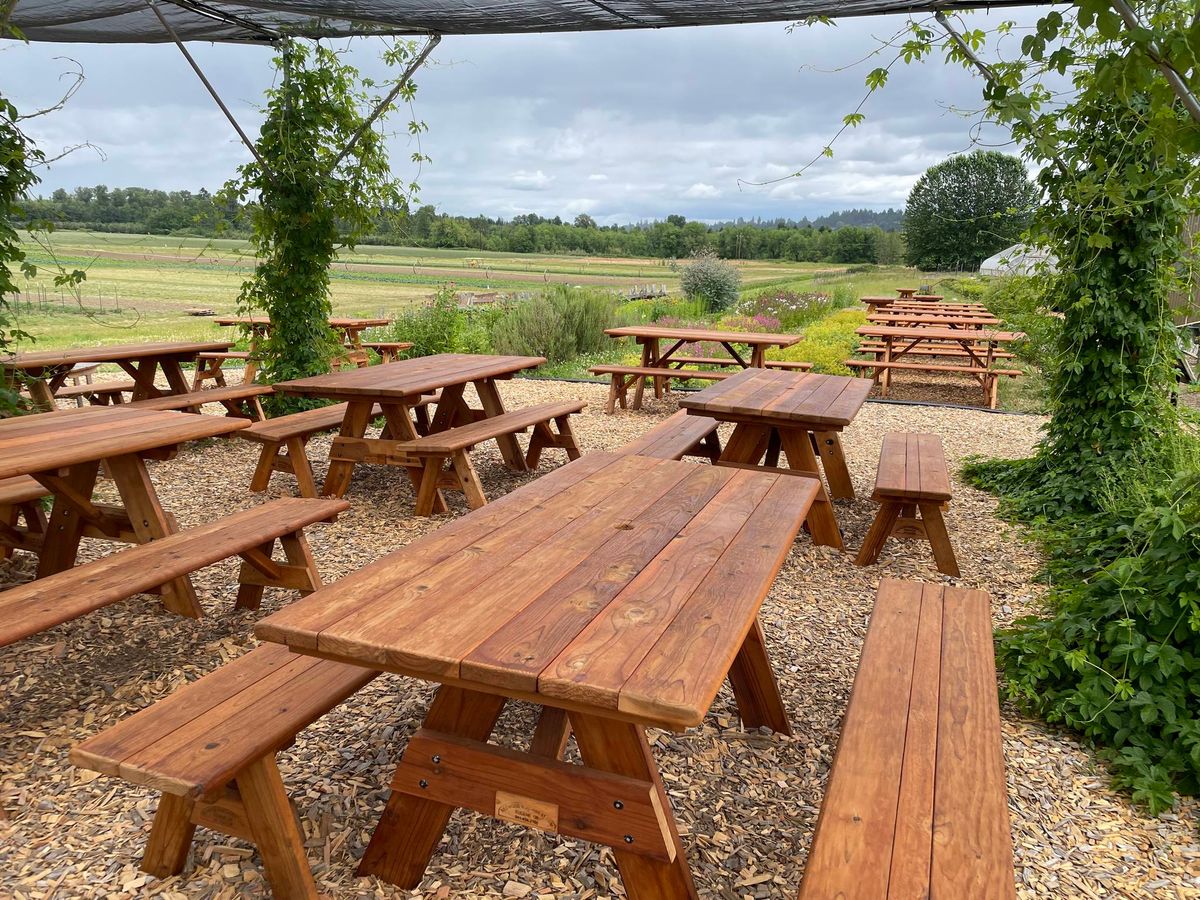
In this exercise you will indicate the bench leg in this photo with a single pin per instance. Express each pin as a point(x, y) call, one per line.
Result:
point(614, 393)
point(400, 428)
point(250, 593)
point(468, 478)
point(881, 529)
point(9, 515)
point(566, 437)
point(170, 837)
point(427, 490)
point(621, 748)
point(754, 686)
point(410, 827)
point(297, 457)
point(261, 479)
point(939, 539)
point(276, 831)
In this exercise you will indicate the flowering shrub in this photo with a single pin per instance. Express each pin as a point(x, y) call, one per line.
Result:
point(712, 280)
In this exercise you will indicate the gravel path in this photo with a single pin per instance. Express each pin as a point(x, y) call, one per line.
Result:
point(746, 802)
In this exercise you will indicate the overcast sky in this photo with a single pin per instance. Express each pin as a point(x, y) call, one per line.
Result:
point(624, 126)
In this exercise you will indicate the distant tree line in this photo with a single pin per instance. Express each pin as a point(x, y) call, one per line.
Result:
point(851, 236)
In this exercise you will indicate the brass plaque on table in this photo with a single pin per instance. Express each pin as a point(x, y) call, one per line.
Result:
point(527, 811)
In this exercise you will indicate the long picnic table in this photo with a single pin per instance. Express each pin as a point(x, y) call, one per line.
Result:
point(616, 593)
point(349, 327)
point(64, 451)
point(937, 317)
point(774, 411)
point(50, 368)
point(397, 388)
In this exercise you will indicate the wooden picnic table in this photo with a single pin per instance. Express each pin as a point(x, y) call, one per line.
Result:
point(351, 329)
point(64, 451)
point(935, 317)
point(793, 412)
point(654, 356)
point(50, 368)
point(397, 388)
point(615, 593)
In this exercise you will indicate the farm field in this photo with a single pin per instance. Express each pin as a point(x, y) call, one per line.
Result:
point(139, 287)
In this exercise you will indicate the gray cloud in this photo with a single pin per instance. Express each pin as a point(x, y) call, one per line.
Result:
point(623, 126)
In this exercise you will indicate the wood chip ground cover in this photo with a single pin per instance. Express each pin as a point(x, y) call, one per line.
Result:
point(746, 802)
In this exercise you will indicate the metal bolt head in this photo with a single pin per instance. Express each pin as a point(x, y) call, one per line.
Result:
point(423, 783)
point(617, 804)
point(436, 759)
point(629, 838)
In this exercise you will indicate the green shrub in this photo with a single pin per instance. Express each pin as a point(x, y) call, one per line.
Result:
point(1117, 658)
point(434, 327)
point(827, 343)
point(559, 324)
point(711, 279)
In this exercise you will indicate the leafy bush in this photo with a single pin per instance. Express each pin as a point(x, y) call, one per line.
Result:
point(434, 327)
point(1022, 302)
point(1118, 657)
point(712, 280)
point(559, 324)
point(827, 343)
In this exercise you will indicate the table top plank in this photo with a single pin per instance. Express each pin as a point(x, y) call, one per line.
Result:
point(703, 334)
point(515, 654)
point(594, 667)
point(408, 377)
point(58, 441)
point(497, 581)
point(670, 683)
point(301, 625)
point(41, 359)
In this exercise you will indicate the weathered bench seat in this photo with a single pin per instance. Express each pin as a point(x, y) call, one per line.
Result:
point(679, 436)
point(916, 804)
point(210, 748)
point(21, 498)
point(989, 378)
point(239, 400)
point(251, 533)
point(97, 393)
point(912, 477)
point(625, 377)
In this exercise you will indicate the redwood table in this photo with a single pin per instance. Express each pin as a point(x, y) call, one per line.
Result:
point(351, 330)
point(654, 356)
point(939, 317)
point(51, 368)
point(793, 412)
point(64, 450)
point(616, 593)
point(396, 387)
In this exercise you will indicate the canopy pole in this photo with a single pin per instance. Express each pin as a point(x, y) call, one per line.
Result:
point(434, 40)
point(1178, 85)
point(153, 4)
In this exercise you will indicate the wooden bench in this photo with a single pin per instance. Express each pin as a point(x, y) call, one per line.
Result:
point(728, 361)
point(932, 349)
point(97, 393)
point(21, 498)
point(142, 568)
point(208, 365)
point(240, 400)
point(284, 441)
point(989, 378)
point(912, 477)
point(625, 377)
point(679, 436)
point(426, 457)
point(210, 748)
point(917, 804)
point(389, 351)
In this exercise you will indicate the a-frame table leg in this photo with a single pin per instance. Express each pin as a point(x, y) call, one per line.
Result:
point(822, 523)
point(489, 398)
point(621, 747)
point(354, 424)
point(410, 827)
point(150, 523)
point(754, 685)
point(65, 527)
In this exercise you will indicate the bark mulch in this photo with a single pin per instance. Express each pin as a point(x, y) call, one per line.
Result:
point(746, 802)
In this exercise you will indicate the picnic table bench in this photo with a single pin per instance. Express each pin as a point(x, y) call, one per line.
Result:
point(583, 592)
point(912, 477)
point(240, 401)
point(664, 365)
point(209, 749)
point(935, 317)
point(388, 350)
point(98, 393)
point(679, 436)
point(251, 534)
point(21, 498)
point(917, 803)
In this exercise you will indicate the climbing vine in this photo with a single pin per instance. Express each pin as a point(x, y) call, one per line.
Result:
point(320, 179)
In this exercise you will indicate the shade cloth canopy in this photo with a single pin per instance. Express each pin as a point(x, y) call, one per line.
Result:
point(133, 21)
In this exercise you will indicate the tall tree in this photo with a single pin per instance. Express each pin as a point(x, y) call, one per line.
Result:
point(963, 210)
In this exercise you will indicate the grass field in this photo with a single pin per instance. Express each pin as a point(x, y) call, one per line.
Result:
point(140, 287)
